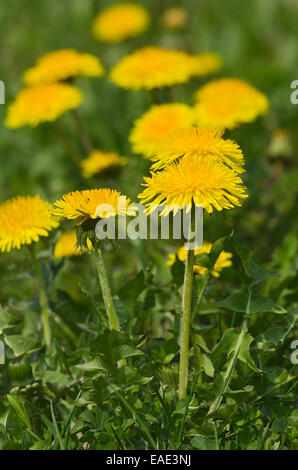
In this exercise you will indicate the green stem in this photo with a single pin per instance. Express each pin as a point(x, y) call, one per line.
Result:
point(66, 144)
point(200, 294)
point(85, 140)
point(106, 292)
point(185, 324)
point(155, 95)
point(42, 298)
point(232, 364)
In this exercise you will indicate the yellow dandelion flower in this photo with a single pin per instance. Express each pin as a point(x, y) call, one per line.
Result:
point(118, 22)
point(62, 65)
point(99, 161)
point(206, 63)
point(171, 259)
point(155, 126)
point(224, 260)
point(190, 181)
point(202, 143)
point(23, 220)
point(41, 103)
point(152, 67)
point(67, 245)
point(92, 204)
point(227, 102)
point(175, 18)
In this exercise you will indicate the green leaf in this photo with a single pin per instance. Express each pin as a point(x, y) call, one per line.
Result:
point(277, 334)
point(177, 270)
point(228, 346)
point(204, 443)
point(4, 418)
point(245, 256)
point(128, 351)
point(20, 409)
point(207, 365)
point(202, 259)
point(217, 247)
point(128, 376)
point(91, 366)
point(53, 376)
point(132, 289)
point(259, 303)
point(21, 344)
point(208, 260)
point(244, 353)
point(259, 274)
point(112, 346)
point(6, 320)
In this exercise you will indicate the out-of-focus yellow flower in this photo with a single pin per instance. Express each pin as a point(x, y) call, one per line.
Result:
point(62, 65)
point(200, 143)
point(206, 63)
point(41, 103)
point(205, 183)
point(24, 220)
point(280, 145)
point(92, 204)
point(155, 126)
point(118, 22)
point(67, 245)
point(175, 18)
point(223, 261)
point(99, 161)
point(153, 67)
point(227, 102)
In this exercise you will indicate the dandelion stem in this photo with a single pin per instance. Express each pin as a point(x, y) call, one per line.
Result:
point(85, 140)
point(185, 324)
point(201, 291)
point(106, 292)
point(155, 95)
point(42, 298)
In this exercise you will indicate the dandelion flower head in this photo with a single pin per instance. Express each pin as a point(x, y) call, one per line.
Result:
point(228, 102)
point(41, 103)
point(200, 142)
point(23, 220)
point(92, 204)
point(99, 161)
point(63, 65)
point(154, 127)
point(153, 67)
point(67, 245)
point(205, 183)
point(119, 22)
